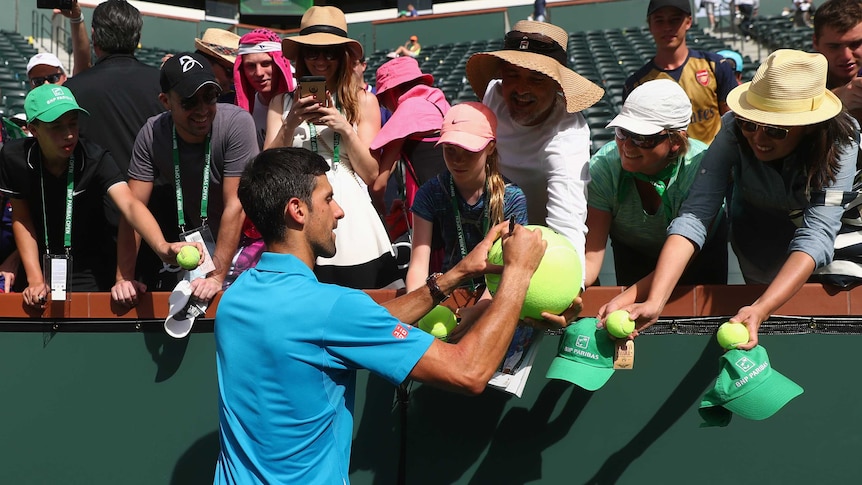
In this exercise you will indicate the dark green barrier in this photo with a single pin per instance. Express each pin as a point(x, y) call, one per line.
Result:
point(140, 408)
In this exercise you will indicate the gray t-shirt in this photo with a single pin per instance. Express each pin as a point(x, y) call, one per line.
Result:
point(233, 143)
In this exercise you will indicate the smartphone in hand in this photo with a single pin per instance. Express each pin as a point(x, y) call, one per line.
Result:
point(314, 86)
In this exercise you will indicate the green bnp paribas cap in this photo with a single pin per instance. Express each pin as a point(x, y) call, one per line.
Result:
point(585, 356)
point(49, 102)
point(747, 385)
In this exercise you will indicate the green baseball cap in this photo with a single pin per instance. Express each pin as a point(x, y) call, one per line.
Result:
point(49, 102)
point(747, 385)
point(585, 356)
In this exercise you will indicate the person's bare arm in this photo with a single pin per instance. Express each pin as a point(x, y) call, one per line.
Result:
point(599, 224)
point(81, 60)
point(126, 289)
point(386, 160)
point(468, 365)
point(28, 248)
point(793, 274)
point(226, 243)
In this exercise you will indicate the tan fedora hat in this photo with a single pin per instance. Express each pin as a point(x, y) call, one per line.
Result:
point(321, 26)
point(219, 43)
point(789, 89)
point(540, 47)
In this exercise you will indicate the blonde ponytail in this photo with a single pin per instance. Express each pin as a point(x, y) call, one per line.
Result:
point(496, 189)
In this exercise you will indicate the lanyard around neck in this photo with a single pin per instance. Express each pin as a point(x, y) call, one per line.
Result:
point(336, 139)
point(462, 243)
point(205, 190)
point(67, 220)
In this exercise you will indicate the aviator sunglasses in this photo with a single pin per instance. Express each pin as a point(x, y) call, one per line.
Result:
point(640, 141)
point(51, 78)
point(774, 132)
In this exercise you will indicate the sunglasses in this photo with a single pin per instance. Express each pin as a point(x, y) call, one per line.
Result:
point(330, 54)
point(51, 78)
point(640, 141)
point(188, 104)
point(774, 132)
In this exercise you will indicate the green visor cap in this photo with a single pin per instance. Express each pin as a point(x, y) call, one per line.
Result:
point(585, 356)
point(746, 385)
point(49, 102)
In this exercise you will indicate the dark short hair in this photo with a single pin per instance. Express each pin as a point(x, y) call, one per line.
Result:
point(838, 15)
point(117, 27)
point(271, 179)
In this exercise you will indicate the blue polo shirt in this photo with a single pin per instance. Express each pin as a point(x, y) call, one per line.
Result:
point(287, 349)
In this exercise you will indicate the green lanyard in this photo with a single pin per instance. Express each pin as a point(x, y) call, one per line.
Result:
point(668, 173)
point(205, 191)
point(67, 222)
point(336, 138)
point(462, 243)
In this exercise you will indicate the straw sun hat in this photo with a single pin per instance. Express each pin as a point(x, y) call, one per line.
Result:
point(789, 89)
point(220, 44)
point(321, 26)
point(540, 47)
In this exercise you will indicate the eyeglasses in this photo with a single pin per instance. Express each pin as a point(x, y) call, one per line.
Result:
point(640, 141)
point(330, 53)
point(210, 98)
point(51, 78)
point(774, 132)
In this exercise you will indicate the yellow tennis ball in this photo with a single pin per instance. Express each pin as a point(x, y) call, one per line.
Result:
point(188, 257)
point(439, 322)
point(557, 280)
point(731, 334)
point(619, 324)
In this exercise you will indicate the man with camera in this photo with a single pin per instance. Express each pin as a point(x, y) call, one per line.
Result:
point(186, 165)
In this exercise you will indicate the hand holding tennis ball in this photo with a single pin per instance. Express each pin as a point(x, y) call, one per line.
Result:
point(556, 282)
point(439, 322)
point(188, 257)
point(731, 334)
point(619, 324)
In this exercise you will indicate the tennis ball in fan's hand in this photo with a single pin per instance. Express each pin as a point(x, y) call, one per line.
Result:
point(438, 322)
point(731, 334)
point(556, 282)
point(188, 257)
point(619, 324)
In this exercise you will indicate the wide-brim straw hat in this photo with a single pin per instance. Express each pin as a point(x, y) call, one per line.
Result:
point(789, 89)
point(219, 43)
point(321, 26)
point(580, 92)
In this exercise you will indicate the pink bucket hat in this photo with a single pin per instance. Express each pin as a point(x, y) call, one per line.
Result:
point(266, 41)
point(399, 71)
point(469, 125)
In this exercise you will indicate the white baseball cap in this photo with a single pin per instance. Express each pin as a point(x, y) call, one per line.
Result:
point(45, 58)
point(656, 105)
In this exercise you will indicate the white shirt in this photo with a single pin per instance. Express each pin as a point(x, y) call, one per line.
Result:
point(550, 163)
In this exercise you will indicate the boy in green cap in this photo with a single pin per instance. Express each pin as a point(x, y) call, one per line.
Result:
point(57, 183)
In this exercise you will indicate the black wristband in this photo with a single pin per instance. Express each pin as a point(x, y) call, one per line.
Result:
point(434, 288)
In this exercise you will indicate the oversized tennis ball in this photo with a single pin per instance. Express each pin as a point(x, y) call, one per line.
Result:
point(188, 257)
point(439, 322)
point(731, 334)
point(556, 282)
point(619, 324)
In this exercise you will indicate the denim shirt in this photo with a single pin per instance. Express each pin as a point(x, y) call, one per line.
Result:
point(761, 198)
